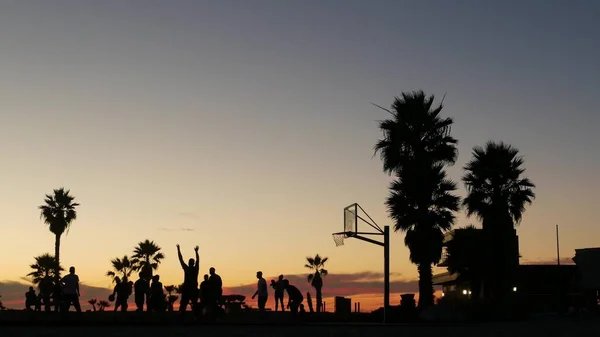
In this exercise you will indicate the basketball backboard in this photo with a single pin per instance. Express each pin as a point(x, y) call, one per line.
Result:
point(356, 222)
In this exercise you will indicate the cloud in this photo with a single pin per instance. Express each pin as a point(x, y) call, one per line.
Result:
point(189, 215)
point(13, 293)
point(182, 229)
point(340, 284)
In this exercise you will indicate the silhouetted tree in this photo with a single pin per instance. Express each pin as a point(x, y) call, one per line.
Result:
point(103, 305)
point(466, 258)
point(497, 195)
point(415, 148)
point(93, 302)
point(124, 267)
point(317, 264)
point(149, 256)
point(44, 266)
point(2, 307)
point(170, 289)
point(58, 212)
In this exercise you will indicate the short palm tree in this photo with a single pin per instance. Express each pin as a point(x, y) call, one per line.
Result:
point(122, 266)
point(102, 304)
point(58, 212)
point(170, 289)
point(149, 256)
point(44, 266)
point(93, 302)
point(415, 149)
point(317, 265)
point(497, 193)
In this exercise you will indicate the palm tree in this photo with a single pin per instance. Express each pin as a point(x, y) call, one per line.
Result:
point(465, 257)
point(124, 267)
point(415, 149)
point(93, 302)
point(149, 256)
point(103, 305)
point(170, 289)
point(44, 266)
point(497, 195)
point(58, 212)
point(317, 264)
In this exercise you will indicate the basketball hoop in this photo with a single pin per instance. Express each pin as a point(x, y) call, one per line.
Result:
point(338, 238)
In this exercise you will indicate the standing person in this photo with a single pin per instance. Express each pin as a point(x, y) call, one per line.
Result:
point(46, 286)
point(279, 289)
point(189, 291)
point(31, 300)
point(123, 291)
point(141, 288)
point(157, 296)
point(295, 297)
point(70, 290)
point(204, 289)
point(262, 291)
point(215, 286)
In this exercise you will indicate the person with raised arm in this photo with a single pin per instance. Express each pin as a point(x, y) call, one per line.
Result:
point(189, 291)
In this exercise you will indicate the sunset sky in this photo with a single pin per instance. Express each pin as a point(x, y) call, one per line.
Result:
point(245, 127)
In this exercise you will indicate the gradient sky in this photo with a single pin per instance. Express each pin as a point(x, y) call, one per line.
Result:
point(245, 126)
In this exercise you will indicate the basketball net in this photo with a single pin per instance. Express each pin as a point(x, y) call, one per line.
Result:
point(338, 238)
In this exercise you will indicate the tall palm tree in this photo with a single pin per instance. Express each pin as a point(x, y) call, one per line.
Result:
point(317, 265)
point(58, 212)
point(424, 222)
point(149, 256)
point(44, 266)
point(415, 149)
point(497, 194)
point(122, 266)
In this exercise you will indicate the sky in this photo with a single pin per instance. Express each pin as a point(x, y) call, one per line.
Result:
point(245, 127)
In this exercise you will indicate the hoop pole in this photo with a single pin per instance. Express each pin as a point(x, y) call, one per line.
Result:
point(386, 272)
point(375, 242)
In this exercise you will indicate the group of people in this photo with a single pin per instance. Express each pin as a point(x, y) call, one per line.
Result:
point(203, 299)
point(61, 294)
point(295, 297)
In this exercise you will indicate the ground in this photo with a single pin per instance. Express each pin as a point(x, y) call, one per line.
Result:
point(549, 328)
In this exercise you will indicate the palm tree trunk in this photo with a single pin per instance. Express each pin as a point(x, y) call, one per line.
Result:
point(56, 272)
point(425, 285)
point(319, 299)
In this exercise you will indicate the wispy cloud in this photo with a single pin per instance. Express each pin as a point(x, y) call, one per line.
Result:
point(189, 215)
point(181, 229)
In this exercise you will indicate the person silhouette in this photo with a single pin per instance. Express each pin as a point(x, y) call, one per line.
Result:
point(70, 290)
point(262, 291)
point(189, 291)
point(46, 286)
point(204, 289)
point(295, 297)
point(31, 300)
point(215, 289)
point(157, 296)
point(123, 291)
point(310, 302)
point(279, 290)
point(141, 288)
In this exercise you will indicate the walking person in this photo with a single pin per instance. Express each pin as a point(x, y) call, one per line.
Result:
point(262, 291)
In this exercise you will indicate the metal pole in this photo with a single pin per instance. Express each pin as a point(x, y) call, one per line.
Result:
point(386, 272)
point(557, 248)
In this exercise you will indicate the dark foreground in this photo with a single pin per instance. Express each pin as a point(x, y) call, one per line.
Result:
point(547, 328)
